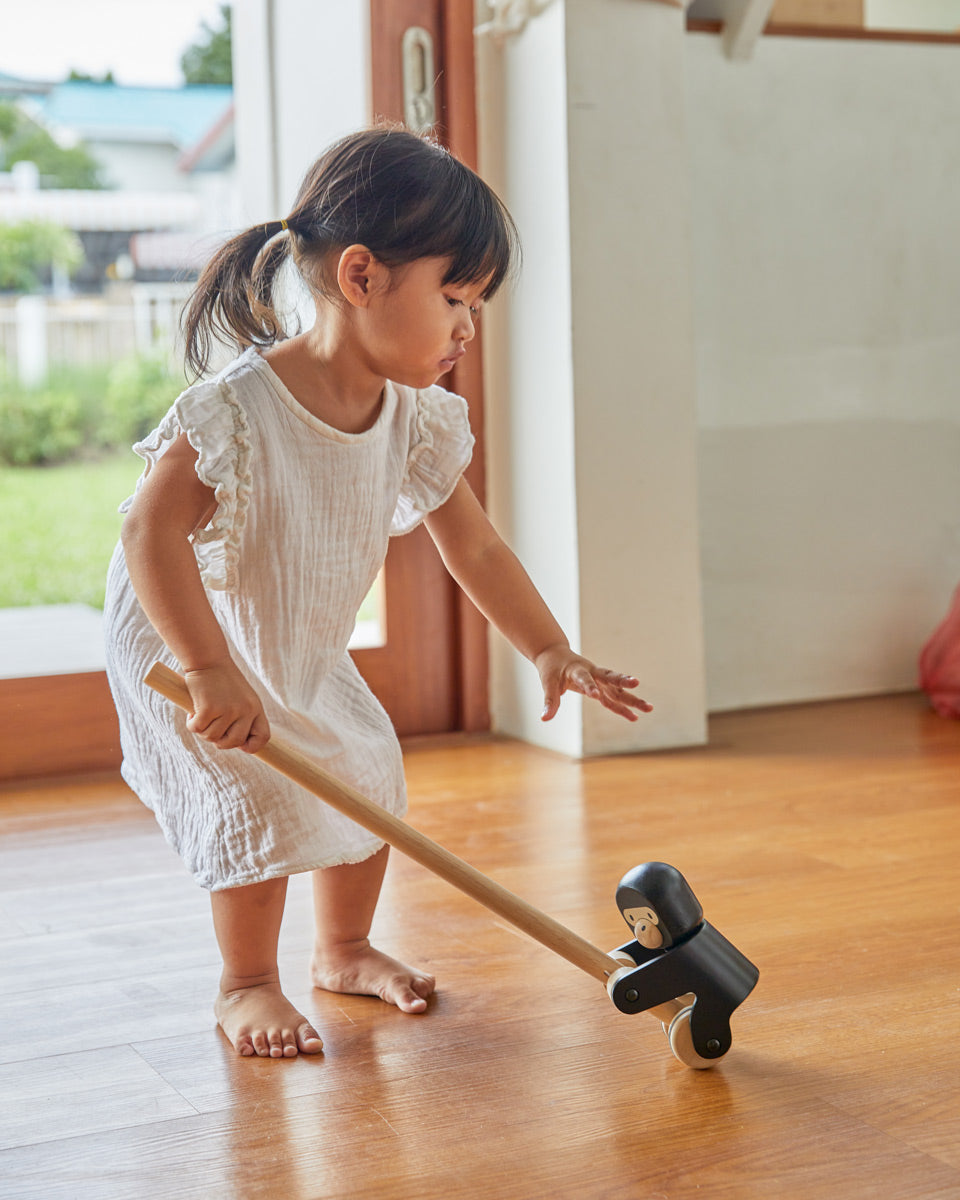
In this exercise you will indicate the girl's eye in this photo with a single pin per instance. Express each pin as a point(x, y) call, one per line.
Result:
point(454, 302)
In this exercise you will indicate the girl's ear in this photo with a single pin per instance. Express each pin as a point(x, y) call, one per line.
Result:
point(359, 275)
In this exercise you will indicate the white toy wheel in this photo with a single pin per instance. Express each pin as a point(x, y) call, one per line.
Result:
point(681, 1042)
point(623, 958)
point(626, 965)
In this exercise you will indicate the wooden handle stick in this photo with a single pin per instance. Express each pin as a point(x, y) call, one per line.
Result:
point(345, 799)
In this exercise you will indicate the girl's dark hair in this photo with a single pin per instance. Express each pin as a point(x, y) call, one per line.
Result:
point(400, 195)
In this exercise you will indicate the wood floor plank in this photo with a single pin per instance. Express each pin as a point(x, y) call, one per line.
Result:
point(111, 1088)
point(822, 840)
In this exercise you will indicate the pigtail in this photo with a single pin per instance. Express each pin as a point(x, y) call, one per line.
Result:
point(233, 301)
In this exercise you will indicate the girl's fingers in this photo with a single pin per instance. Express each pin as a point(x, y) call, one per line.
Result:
point(621, 707)
point(621, 710)
point(234, 735)
point(612, 690)
point(583, 681)
point(551, 702)
point(258, 736)
point(229, 734)
point(614, 677)
point(209, 728)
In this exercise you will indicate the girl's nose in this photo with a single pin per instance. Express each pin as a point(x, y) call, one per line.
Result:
point(466, 330)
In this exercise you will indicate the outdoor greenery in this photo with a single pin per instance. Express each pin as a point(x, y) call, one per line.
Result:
point(65, 458)
point(83, 411)
point(65, 466)
point(60, 520)
point(29, 250)
point(209, 59)
point(24, 140)
point(59, 527)
point(85, 77)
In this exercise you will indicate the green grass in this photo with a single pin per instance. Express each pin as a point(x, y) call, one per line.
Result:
point(58, 529)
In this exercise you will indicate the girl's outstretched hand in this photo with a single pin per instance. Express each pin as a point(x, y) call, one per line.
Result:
point(561, 671)
point(226, 710)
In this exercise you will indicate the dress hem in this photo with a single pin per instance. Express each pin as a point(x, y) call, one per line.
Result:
point(282, 872)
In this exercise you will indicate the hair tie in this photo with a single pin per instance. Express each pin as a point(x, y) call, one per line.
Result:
point(269, 231)
point(283, 224)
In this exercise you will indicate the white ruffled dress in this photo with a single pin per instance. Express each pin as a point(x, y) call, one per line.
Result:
point(304, 516)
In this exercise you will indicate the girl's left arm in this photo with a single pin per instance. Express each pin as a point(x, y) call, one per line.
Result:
point(494, 579)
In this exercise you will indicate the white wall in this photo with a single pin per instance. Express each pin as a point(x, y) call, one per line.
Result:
point(591, 384)
point(139, 166)
point(825, 183)
point(528, 378)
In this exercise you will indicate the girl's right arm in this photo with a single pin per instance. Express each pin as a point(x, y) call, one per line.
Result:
point(172, 503)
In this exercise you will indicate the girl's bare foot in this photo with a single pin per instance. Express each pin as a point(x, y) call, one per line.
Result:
point(357, 969)
point(259, 1019)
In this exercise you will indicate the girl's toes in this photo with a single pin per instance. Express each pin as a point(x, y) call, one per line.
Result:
point(308, 1040)
point(412, 995)
point(245, 1047)
point(424, 986)
point(278, 1041)
point(409, 1001)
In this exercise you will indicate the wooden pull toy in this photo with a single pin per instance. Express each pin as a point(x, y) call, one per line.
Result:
point(675, 951)
point(691, 979)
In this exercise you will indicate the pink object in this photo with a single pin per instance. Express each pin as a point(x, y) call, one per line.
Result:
point(940, 663)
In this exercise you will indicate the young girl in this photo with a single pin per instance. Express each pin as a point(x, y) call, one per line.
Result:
point(258, 526)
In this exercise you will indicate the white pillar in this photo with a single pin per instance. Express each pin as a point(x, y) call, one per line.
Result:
point(592, 390)
point(31, 340)
point(301, 80)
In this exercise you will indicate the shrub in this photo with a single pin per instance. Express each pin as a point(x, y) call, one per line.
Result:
point(30, 249)
point(83, 409)
point(39, 425)
point(139, 391)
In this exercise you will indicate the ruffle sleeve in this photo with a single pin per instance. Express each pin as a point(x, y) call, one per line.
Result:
point(441, 449)
point(215, 425)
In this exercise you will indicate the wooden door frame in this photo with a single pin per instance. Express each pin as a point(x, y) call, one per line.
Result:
point(451, 23)
point(460, 113)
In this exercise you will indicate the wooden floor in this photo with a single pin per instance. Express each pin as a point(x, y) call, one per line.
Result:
point(822, 840)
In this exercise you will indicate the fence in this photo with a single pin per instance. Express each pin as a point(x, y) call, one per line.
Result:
point(37, 332)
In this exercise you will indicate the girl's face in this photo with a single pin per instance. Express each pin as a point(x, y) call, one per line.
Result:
point(417, 327)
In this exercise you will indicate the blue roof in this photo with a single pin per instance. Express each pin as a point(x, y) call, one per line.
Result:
point(180, 115)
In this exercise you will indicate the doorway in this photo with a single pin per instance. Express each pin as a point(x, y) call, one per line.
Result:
point(430, 673)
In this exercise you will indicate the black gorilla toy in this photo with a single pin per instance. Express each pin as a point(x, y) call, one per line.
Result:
point(677, 952)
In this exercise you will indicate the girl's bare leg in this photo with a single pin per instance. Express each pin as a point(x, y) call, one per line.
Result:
point(251, 1009)
point(343, 960)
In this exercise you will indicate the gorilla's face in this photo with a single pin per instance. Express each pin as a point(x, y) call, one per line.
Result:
point(658, 905)
point(645, 925)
